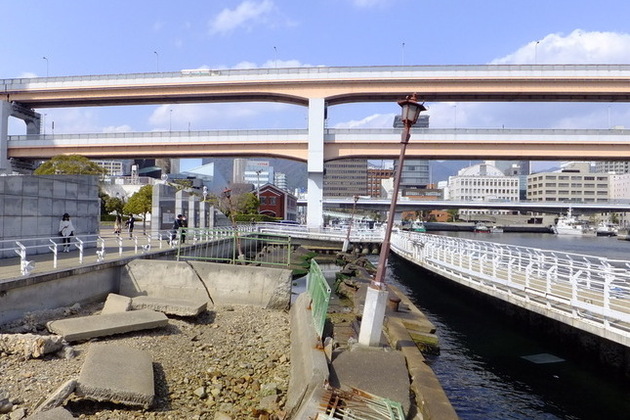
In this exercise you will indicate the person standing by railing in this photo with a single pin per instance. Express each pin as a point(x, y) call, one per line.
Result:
point(130, 223)
point(66, 230)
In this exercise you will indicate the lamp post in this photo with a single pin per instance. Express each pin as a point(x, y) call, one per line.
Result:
point(376, 297)
point(45, 58)
point(258, 183)
point(157, 61)
point(346, 243)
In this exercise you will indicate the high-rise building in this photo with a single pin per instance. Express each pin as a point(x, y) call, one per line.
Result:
point(415, 173)
point(280, 180)
point(345, 178)
point(258, 173)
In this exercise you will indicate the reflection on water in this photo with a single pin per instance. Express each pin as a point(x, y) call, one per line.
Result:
point(611, 247)
point(482, 366)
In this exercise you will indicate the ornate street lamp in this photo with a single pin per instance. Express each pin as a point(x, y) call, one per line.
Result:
point(376, 298)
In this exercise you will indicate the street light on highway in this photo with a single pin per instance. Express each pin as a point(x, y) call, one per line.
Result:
point(45, 58)
point(376, 297)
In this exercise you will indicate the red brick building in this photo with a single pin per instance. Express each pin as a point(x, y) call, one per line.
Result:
point(275, 202)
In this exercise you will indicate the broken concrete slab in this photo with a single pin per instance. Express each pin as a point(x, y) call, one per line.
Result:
point(57, 398)
point(86, 327)
point(58, 413)
point(378, 371)
point(116, 303)
point(179, 307)
point(30, 345)
point(118, 374)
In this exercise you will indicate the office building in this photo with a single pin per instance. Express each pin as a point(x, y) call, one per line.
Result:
point(374, 178)
point(415, 173)
point(483, 183)
point(345, 178)
point(574, 182)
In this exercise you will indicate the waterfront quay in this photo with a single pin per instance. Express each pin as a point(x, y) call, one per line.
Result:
point(553, 278)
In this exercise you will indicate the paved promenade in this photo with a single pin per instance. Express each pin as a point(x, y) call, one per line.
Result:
point(42, 263)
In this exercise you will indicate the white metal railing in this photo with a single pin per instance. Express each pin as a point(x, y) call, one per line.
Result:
point(585, 287)
point(324, 234)
point(45, 250)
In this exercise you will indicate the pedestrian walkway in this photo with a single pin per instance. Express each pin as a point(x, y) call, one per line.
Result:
point(10, 268)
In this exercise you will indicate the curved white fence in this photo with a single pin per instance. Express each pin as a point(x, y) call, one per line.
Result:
point(589, 289)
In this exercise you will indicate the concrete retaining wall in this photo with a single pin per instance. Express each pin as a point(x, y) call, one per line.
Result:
point(59, 289)
point(309, 367)
point(221, 283)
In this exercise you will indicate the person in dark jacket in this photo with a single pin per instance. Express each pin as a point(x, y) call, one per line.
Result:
point(129, 223)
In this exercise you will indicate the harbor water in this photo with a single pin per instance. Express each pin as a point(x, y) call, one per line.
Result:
point(493, 368)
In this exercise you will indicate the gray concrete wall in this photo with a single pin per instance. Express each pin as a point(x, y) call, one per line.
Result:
point(220, 283)
point(90, 283)
point(31, 206)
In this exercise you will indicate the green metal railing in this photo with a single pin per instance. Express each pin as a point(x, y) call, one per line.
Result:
point(243, 246)
point(319, 291)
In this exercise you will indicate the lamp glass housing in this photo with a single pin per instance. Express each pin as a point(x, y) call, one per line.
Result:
point(410, 111)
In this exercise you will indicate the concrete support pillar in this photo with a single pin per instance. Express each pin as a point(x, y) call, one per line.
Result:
point(373, 316)
point(33, 123)
point(5, 113)
point(315, 165)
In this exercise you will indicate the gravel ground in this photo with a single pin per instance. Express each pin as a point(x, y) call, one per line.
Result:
point(231, 362)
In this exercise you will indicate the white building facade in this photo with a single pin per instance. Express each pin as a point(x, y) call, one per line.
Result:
point(483, 183)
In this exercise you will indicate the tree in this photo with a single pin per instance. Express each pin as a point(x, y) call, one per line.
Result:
point(69, 165)
point(114, 204)
point(140, 203)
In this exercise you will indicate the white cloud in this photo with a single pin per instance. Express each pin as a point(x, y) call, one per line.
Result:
point(372, 121)
point(247, 14)
point(365, 4)
point(579, 47)
point(124, 128)
point(181, 117)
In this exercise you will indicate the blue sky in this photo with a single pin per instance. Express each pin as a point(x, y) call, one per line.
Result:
point(115, 36)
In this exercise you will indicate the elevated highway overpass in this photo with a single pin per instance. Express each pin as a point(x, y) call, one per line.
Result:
point(515, 144)
point(320, 87)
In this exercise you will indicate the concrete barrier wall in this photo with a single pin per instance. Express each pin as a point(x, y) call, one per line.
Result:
point(220, 283)
point(59, 289)
point(309, 367)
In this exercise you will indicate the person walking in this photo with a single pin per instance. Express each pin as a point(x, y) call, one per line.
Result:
point(184, 224)
point(118, 225)
point(177, 223)
point(66, 230)
point(129, 223)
